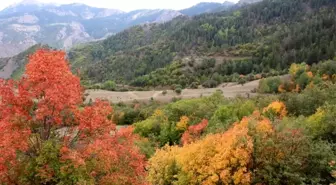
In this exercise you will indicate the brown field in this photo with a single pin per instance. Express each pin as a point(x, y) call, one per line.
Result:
point(229, 90)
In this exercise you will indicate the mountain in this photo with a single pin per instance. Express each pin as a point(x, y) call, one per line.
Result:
point(263, 38)
point(244, 2)
point(25, 6)
point(206, 7)
point(13, 67)
point(63, 26)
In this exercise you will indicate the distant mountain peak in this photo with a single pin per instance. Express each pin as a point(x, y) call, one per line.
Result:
point(77, 4)
point(228, 3)
point(206, 7)
point(33, 2)
point(30, 2)
point(242, 2)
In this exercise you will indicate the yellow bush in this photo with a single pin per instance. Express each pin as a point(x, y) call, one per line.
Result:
point(220, 158)
point(278, 107)
point(183, 124)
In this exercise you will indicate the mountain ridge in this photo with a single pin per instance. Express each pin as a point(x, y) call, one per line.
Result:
point(63, 26)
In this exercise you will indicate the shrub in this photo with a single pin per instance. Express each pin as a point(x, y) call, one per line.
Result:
point(194, 85)
point(109, 85)
point(178, 90)
point(210, 84)
point(269, 85)
point(226, 115)
point(305, 103)
point(242, 81)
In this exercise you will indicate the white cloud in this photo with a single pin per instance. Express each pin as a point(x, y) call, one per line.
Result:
point(125, 5)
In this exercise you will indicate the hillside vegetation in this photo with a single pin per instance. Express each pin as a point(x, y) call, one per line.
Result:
point(238, 45)
point(50, 136)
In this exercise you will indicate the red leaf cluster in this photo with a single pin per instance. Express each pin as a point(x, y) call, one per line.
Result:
point(194, 132)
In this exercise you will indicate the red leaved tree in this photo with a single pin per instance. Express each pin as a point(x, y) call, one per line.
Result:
point(194, 132)
point(48, 137)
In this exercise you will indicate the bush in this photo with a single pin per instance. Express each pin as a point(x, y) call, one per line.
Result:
point(96, 86)
point(228, 114)
point(269, 85)
point(164, 92)
point(242, 81)
point(210, 84)
point(305, 103)
point(109, 85)
point(321, 125)
point(303, 80)
point(194, 85)
point(178, 90)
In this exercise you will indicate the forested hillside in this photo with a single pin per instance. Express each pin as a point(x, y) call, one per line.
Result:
point(259, 39)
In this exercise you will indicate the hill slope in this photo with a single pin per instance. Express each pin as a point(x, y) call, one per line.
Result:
point(30, 22)
point(13, 67)
point(261, 38)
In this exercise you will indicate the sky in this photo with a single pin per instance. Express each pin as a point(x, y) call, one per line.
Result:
point(125, 5)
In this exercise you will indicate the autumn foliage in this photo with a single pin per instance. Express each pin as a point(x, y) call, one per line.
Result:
point(194, 132)
point(48, 138)
point(254, 150)
point(278, 108)
point(216, 159)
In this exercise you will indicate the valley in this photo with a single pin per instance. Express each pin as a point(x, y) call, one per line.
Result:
point(219, 93)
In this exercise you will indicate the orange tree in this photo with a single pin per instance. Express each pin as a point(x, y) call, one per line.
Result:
point(47, 137)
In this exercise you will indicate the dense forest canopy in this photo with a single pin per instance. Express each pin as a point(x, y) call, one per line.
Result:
point(269, 36)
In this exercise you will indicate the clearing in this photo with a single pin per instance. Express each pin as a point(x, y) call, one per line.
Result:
point(229, 90)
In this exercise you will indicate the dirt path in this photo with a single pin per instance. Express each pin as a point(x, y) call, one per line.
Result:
point(229, 90)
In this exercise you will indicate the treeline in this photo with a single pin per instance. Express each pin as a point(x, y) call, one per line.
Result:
point(207, 73)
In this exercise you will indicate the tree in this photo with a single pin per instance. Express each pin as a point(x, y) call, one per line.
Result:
point(47, 138)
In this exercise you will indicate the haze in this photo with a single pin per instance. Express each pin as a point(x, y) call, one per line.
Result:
point(125, 5)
